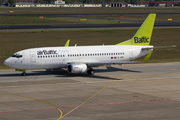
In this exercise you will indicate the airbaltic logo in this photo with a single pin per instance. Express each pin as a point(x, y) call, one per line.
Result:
point(46, 52)
point(143, 39)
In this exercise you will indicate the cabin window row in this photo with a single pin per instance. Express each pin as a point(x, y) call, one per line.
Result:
point(50, 56)
point(94, 54)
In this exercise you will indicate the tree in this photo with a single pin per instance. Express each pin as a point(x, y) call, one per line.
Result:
point(133, 1)
point(11, 2)
point(39, 1)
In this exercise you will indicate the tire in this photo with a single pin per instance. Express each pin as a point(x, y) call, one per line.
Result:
point(23, 74)
point(91, 72)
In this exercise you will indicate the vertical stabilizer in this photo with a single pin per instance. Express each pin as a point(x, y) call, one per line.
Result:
point(143, 35)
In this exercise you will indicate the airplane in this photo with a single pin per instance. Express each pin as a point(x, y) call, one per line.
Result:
point(82, 59)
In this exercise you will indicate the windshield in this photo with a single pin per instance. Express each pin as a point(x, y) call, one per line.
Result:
point(17, 55)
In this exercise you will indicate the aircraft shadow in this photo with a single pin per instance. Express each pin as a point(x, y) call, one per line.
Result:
point(113, 69)
point(64, 73)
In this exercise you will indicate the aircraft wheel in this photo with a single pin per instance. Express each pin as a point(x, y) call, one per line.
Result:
point(90, 72)
point(23, 74)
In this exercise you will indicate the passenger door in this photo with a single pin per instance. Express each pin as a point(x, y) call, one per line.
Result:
point(32, 57)
point(130, 54)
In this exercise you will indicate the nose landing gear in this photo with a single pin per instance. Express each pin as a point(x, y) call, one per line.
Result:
point(24, 72)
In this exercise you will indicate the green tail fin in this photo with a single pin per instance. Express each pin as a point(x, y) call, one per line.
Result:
point(143, 35)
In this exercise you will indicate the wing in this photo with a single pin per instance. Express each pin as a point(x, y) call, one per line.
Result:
point(112, 63)
point(67, 43)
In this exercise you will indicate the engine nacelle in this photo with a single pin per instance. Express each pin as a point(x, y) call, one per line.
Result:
point(77, 68)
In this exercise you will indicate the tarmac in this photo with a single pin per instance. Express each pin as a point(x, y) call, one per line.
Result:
point(131, 92)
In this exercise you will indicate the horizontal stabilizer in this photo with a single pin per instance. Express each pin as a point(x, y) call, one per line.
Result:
point(158, 47)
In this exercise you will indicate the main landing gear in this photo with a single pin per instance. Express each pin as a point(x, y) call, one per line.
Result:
point(24, 74)
point(90, 71)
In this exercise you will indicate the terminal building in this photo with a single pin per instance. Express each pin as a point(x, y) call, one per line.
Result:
point(61, 3)
point(159, 3)
point(31, 3)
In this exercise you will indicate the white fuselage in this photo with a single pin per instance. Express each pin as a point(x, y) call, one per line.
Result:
point(59, 57)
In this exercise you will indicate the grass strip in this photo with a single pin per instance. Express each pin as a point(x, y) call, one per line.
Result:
point(35, 20)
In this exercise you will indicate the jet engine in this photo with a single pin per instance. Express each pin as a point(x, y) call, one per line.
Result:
point(77, 68)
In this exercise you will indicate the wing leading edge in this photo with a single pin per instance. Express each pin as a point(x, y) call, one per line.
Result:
point(112, 63)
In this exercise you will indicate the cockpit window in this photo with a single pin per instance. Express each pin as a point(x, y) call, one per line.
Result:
point(17, 55)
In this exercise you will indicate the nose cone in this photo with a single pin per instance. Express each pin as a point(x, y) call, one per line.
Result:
point(7, 62)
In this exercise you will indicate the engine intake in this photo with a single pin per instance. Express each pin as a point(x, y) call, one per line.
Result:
point(77, 68)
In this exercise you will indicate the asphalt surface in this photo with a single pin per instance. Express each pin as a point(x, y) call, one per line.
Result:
point(130, 92)
point(137, 23)
point(85, 26)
